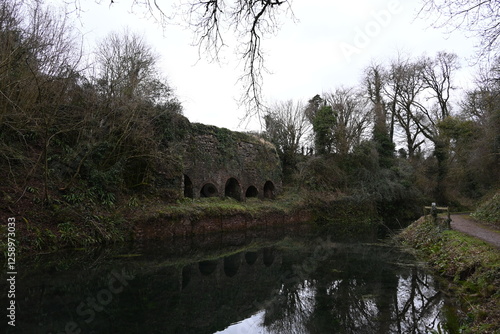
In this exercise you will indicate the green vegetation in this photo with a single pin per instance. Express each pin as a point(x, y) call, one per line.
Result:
point(394, 139)
point(215, 207)
point(489, 211)
point(471, 267)
point(87, 148)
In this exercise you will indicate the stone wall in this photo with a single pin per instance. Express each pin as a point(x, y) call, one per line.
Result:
point(220, 162)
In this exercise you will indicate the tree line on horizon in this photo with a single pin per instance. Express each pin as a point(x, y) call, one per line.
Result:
point(403, 111)
point(89, 129)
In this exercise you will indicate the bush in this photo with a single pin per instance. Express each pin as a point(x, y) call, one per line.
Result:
point(489, 211)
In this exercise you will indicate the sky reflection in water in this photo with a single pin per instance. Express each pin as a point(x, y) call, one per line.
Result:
point(231, 284)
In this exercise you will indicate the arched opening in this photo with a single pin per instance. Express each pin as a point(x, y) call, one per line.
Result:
point(186, 276)
point(232, 264)
point(209, 190)
point(207, 267)
point(188, 187)
point(251, 257)
point(268, 256)
point(251, 192)
point(233, 189)
point(269, 190)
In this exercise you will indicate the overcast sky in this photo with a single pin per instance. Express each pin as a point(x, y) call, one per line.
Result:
point(327, 45)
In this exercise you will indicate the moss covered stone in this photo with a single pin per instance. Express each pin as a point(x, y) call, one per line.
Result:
point(218, 162)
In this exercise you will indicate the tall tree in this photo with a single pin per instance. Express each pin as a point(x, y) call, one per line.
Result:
point(313, 106)
point(382, 135)
point(324, 122)
point(437, 77)
point(482, 106)
point(132, 95)
point(351, 118)
point(287, 127)
point(127, 69)
point(403, 89)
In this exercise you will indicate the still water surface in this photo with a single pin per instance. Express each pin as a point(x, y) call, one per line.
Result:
point(275, 281)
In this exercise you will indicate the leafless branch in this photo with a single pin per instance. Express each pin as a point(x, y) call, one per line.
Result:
point(479, 17)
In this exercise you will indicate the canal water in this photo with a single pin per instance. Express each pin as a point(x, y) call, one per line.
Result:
point(290, 280)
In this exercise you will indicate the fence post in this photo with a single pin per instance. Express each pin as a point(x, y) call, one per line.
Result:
point(434, 212)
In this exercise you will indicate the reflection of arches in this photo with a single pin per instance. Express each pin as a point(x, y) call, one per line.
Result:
point(269, 190)
point(186, 276)
point(233, 189)
point(188, 187)
point(231, 264)
point(207, 267)
point(209, 190)
point(251, 192)
point(251, 257)
point(268, 256)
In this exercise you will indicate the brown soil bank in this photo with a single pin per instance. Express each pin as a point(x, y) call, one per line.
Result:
point(166, 226)
point(62, 226)
point(470, 266)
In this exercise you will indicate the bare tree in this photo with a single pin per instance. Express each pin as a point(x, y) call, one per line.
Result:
point(39, 59)
point(250, 20)
point(480, 17)
point(437, 77)
point(127, 69)
point(287, 126)
point(351, 118)
point(481, 106)
point(403, 90)
point(213, 22)
point(130, 91)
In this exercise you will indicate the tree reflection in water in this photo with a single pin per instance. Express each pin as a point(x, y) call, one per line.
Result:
point(356, 295)
point(283, 285)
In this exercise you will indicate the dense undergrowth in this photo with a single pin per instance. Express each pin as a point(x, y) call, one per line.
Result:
point(470, 267)
point(489, 211)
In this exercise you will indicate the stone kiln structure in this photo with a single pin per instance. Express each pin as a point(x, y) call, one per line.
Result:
point(218, 162)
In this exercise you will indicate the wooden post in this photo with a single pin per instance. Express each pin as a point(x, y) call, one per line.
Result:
point(433, 211)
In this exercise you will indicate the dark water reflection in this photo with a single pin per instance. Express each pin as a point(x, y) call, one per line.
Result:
point(249, 282)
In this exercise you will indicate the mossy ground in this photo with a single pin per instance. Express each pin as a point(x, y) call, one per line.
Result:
point(228, 206)
point(470, 266)
point(489, 211)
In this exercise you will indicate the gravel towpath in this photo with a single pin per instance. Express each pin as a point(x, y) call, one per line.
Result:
point(465, 224)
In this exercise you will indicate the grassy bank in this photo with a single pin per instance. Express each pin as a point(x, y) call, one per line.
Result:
point(49, 228)
point(469, 266)
point(61, 225)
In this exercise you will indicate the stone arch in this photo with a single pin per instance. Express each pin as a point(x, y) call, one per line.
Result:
point(269, 189)
point(233, 189)
point(188, 187)
point(251, 192)
point(209, 190)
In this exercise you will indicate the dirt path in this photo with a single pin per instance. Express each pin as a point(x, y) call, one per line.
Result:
point(465, 224)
